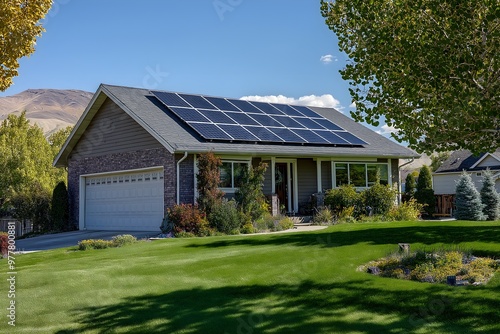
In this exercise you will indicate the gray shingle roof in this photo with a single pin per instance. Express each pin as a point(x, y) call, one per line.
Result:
point(178, 137)
point(463, 160)
point(181, 138)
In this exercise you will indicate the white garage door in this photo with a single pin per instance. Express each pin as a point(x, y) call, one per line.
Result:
point(132, 201)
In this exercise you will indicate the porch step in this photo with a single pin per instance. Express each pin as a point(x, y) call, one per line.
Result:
point(301, 220)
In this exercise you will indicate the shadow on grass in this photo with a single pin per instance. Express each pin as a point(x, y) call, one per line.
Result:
point(376, 235)
point(304, 308)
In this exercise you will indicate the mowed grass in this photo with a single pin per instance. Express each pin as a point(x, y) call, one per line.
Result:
point(279, 283)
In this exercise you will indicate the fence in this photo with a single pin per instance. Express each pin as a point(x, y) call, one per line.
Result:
point(21, 227)
point(445, 205)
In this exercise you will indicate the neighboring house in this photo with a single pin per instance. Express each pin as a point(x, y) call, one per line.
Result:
point(130, 157)
point(445, 177)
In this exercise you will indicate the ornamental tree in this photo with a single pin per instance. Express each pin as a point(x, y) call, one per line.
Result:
point(430, 68)
point(490, 197)
point(425, 194)
point(467, 200)
point(19, 28)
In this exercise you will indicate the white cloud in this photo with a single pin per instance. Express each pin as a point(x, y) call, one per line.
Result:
point(327, 59)
point(325, 101)
point(385, 130)
point(352, 105)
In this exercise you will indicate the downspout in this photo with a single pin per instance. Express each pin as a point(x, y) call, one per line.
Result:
point(178, 177)
point(399, 173)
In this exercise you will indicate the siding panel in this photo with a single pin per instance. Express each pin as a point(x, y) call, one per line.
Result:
point(113, 131)
point(307, 181)
point(326, 175)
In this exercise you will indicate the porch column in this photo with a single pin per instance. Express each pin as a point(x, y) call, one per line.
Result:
point(318, 176)
point(273, 175)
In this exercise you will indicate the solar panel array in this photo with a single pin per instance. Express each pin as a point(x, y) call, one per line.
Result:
point(215, 118)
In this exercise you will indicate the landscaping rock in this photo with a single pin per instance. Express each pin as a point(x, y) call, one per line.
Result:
point(373, 270)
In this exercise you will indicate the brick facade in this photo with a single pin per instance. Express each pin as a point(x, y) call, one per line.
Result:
point(125, 161)
point(186, 179)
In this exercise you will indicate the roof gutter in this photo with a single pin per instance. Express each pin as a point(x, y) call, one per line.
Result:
point(178, 177)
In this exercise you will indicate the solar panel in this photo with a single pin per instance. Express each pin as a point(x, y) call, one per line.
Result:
point(209, 131)
point(306, 111)
point(350, 138)
point(264, 134)
point(287, 110)
point(215, 118)
point(266, 120)
point(287, 135)
point(287, 121)
point(242, 118)
point(245, 106)
point(331, 137)
point(310, 136)
point(171, 99)
point(327, 124)
point(197, 101)
point(309, 123)
point(238, 132)
point(267, 108)
point(222, 104)
point(189, 114)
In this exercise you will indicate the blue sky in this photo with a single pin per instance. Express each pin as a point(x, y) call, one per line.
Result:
point(277, 50)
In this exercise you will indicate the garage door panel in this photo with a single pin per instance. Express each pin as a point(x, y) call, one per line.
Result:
point(118, 203)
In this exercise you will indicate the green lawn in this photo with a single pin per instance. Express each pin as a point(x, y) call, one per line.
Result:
point(281, 283)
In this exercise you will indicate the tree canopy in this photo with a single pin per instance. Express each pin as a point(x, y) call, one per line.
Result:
point(26, 157)
point(431, 68)
point(19, 28)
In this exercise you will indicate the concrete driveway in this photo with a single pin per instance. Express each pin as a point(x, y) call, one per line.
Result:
point(68, 239)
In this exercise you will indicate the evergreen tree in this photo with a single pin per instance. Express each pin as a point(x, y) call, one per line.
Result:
point(410, 185)
point(490, 197)
point(425, 194)
point(467, 200)
point(59, 210)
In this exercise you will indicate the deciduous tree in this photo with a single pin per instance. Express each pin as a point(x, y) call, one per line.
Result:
point(431, 68)
point(19, 28)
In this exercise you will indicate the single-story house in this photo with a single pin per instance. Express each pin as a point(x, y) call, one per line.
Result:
point(445, 177)
point(133, 153)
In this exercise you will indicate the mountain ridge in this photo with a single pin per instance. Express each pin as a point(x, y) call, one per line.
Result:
point(51, 109)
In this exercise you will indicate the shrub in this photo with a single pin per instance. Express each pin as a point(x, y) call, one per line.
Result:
point(4, 244)
point(323, 217)
point(248, 228)
point(208, 179)
point(346, 215)
point(249, 196)
point(225, 217)
point(59, 212)
point(123, 239)
point(95, 244)
point(409, 210)
point(264, 223)
point(380, 198)
point(187, 218)
point(343, 197)
point(467, 200)
point(489, 197)
point(284, 223)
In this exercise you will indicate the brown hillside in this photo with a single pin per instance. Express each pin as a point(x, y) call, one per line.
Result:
point(51, 109)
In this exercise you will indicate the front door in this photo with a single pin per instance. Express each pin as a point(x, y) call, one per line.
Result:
point(281, 181)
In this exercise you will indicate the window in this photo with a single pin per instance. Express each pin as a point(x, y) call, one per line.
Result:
point(231, 173)
point(342, 174)
point(360, 174)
